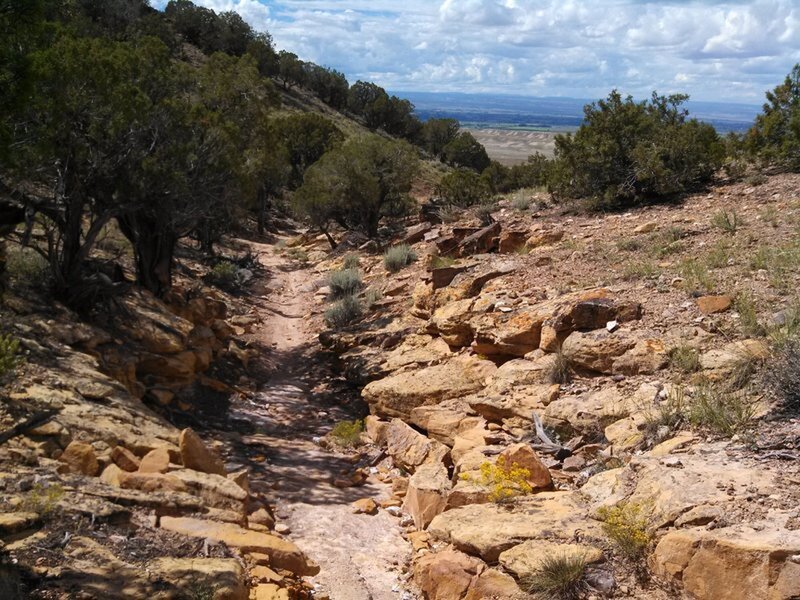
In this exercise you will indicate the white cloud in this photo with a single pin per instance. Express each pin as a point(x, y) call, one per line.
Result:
point(730, 50)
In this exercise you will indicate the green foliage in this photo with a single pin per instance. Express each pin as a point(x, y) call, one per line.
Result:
point(344, 312)
point(465, 151)
point(521, 202)
point(358, 184)
point(381, 111)
point(224, 274)
point(745, 305)
point(663, 419)
point(9, 354)
point(298, 254)
point(346, 282)
point(201, 590)
point(696, 278)
point(775, 136)
point(347, 433)
point(371, 296)
point(629, 244)
point(627, 152)
point(685, 359)
point(42, 499)
point(27, 267)
point(440, 262)
point(719, 411)
point(398, 257)
point(463, 188)
point(557, 577)
point(728, 222)
point(640, 269)
point(306, 137)
point(718, 256)
point(505, 482)
point(350, 261)
point(450, 213)
point(435, 134)
point(626, 525)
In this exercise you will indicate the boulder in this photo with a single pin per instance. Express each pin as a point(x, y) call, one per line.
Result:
point(511, 334)
point(427, 494)
point(269, 591)
point(451, 322)
point(151, 482)
point(743, 562)
point(445, 575)
point(524, 456)
point(282, 553)
point(195, 455)
point(521, 402)
point(215, 490)
point(397, 395)
point(443, 276)
point(155, 461)
point(410, 449)
point(645, 358)
point(524, 559)
point(492, 583)
point(125, 459)
point(596, 350)
point(544, 238)
point(443, 422)
point(487, 530)
point(511, 241)
point(592, 411)
point(417, 350)
point(79, 457)
point(724, 360)
point(710, 305)
point(416, 233)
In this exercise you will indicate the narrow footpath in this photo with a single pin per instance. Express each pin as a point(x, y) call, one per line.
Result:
point(360, 556)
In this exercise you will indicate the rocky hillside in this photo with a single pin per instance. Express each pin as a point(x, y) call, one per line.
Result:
point(559, 404)
point(552, 386)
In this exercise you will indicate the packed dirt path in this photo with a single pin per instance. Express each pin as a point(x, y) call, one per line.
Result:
point(360, 556)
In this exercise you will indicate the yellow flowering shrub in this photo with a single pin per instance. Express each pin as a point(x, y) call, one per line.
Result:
point(626, 525)
point(504, 482)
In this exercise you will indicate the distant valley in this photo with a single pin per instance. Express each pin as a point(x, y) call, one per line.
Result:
point(514, 127)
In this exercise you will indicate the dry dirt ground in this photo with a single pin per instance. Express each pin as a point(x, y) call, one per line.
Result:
point(361, 556)
point(511, 147)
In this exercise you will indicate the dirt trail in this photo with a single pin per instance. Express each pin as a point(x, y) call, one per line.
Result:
point(360, 555)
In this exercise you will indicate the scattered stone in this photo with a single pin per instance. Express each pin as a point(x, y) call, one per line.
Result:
point(195, 455)
point(79, 457)
point(155, 461)
point(365, 506)
point(710, 305)
point(427, 494)
point(125, 459)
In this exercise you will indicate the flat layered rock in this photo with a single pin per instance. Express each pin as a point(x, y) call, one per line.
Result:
point(282, 553)
point(487, 530)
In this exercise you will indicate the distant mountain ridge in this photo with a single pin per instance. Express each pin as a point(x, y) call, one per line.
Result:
point(552, 113)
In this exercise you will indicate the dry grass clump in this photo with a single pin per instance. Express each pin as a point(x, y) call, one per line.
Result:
point(398, 257)
point(557, 577)
point(344, 312)
point(685, 359)
point(729, 222)
point(720, 411)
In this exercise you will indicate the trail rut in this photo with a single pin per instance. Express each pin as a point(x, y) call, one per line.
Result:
point(360, 556)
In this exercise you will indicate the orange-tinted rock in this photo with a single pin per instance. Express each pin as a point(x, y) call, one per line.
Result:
point(525, 456)
point(710, 305)
point(195, 455)
point(80, 458)
point(282, 553)
point(155, 461)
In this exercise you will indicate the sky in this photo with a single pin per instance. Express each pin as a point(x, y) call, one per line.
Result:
point(715, 51)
